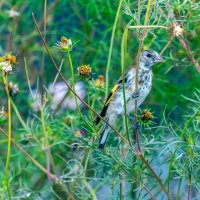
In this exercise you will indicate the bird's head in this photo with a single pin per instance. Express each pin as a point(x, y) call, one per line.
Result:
point(149, 57)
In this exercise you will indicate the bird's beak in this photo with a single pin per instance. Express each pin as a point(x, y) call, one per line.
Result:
point(158, 59)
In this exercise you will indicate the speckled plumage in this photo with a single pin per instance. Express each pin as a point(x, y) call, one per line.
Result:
point(114, 105)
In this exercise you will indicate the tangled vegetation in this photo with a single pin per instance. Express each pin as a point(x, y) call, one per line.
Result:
point(58, 62)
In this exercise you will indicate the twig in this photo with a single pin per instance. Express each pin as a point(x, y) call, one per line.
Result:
point(165, 47)
point(150, 26)
point(60, 68)
point(189, 185)
point(43, 50)
point(189, 53)
point(5, 80)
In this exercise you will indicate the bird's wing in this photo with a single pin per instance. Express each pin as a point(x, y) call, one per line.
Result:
point(110, 96)
point(103, 112)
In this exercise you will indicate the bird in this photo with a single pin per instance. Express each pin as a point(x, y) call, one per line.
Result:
point(114, 105)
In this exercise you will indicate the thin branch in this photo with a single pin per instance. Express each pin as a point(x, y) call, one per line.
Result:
point(43, 50)
point(145, 26)
point(189, 185)
point(5, 79)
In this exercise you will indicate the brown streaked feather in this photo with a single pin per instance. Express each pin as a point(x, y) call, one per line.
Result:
point(103, 112)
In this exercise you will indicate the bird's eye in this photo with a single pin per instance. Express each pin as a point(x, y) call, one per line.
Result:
point(149, 55)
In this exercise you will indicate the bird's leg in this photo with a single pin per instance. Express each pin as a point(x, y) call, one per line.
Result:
point(136, 125)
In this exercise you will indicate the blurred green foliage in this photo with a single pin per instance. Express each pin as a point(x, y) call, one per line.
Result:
point(90, 23)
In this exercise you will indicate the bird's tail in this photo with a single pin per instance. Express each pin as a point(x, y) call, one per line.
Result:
point(105, 131)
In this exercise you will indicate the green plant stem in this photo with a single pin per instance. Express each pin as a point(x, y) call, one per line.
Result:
point(145, 26)
point(136, 90)
point(123, 65)
point(179, 187)
point(60, 68)
point(139, 10)
point(72, 68)
point(155, 175)
point(147, 13)
point(111, 47)
point(122, 175)
point(5, 79)
point(73, 87)
point(90, 189)
point(73, 81)
point(88, 101)
point(46, 143)
point(86, 159)
point(128, 173)
point(29, 132)
point(189, 185)
point(141, 40)
point(122, 188)
point(20, 118)
point(176, 148)
point(27, 77)
point(28, 155)
point(43, 50)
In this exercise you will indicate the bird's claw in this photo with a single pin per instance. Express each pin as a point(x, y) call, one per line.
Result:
point(135, 95)
point(136, 125)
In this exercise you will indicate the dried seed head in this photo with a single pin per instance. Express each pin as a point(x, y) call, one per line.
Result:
point(175, 30)
point(6, 63)
point(146, 116)
point(10, 58)
point(85, 71)
point(13, 89)
point(64, 39)
point(68, 121)
point(99, 82)
point(64, 44)
point(5, 67)
point(13, 12)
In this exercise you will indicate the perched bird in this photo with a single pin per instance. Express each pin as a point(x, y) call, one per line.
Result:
point(114, 104)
